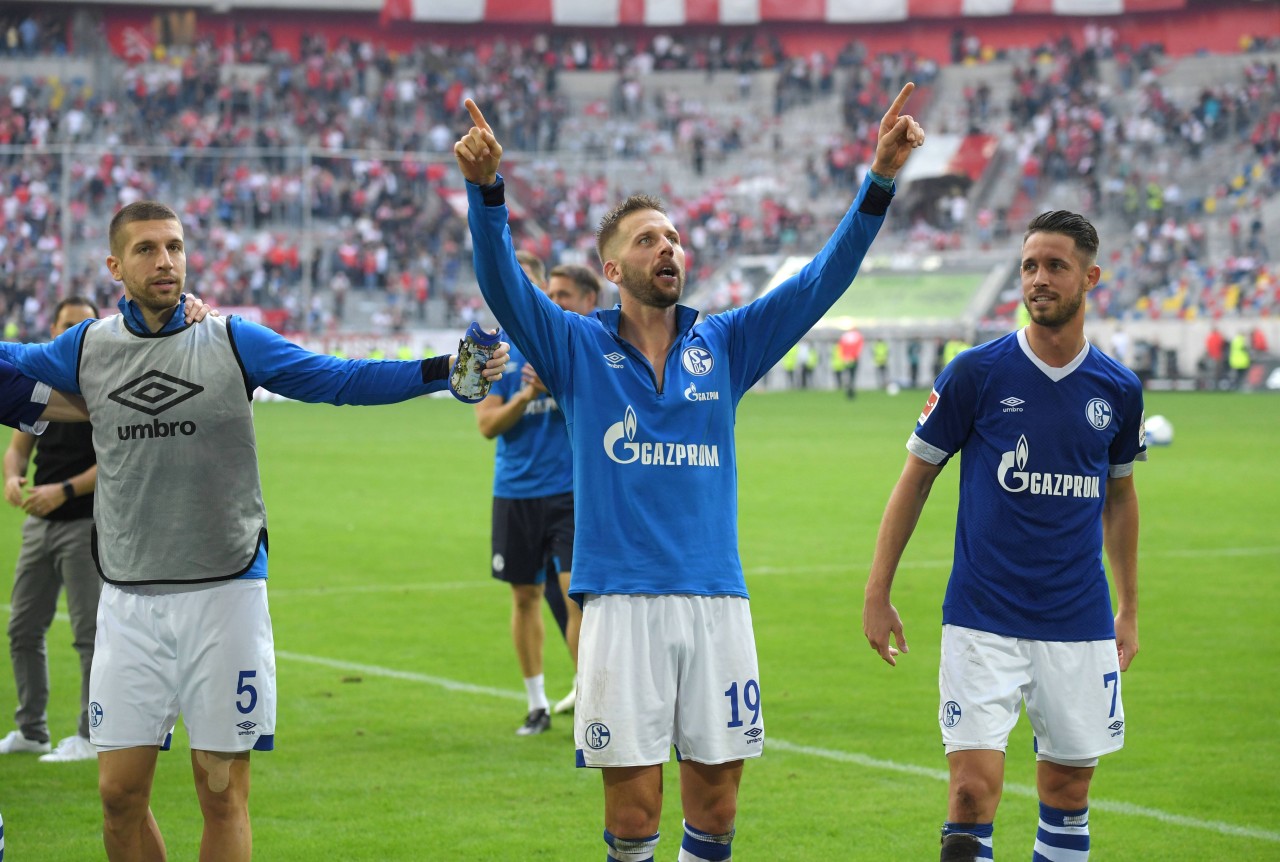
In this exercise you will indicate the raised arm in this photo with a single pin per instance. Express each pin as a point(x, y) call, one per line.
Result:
point(536, 324)
point(778, 319)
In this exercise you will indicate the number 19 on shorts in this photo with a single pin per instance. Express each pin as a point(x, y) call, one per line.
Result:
point(749, 703)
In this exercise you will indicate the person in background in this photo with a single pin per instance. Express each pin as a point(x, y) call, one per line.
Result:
point(55, 555)
point(532, 536)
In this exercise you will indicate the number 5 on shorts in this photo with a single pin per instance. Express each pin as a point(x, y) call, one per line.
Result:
point(243, 688)
point(750, 699)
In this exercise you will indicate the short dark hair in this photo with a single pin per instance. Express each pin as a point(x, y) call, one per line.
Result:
point(138, 211)
point(1069, 224)
point(75, 300)
point(533, 264)
point(609, 224)
point(583, 277)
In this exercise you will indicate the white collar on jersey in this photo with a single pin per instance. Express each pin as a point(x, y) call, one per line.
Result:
point(1054, 374)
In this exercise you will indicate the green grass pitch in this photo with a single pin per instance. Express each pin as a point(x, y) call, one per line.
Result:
point(399, 689)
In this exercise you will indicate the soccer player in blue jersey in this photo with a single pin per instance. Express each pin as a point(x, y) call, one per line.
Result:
point(533, 493)
point(183, 625)
point(667, 655)
point(1049, 428)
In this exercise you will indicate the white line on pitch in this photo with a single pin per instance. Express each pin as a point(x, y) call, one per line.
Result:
point(824, 753)
point(863, 760)
point(373, 670)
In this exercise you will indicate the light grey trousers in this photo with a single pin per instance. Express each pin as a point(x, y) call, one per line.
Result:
point(55, 554)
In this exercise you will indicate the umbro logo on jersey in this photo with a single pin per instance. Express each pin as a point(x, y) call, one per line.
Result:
point(753, 735)
point(614, 359)
point(155, 392)
point(247, 728)
point(1013, 404)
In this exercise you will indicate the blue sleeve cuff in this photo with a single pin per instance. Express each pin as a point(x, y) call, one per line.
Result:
point(494, 194)
point(882, 181)
point(877, 199)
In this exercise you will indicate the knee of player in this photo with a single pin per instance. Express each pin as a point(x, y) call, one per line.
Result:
point(122, 799)
point(715, 818)
point(527, 597)
point(632, 821)
point(973, 796)
point(1064, 786)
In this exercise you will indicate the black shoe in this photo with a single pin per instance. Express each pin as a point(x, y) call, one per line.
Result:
point(539, 721)
point(960, 847)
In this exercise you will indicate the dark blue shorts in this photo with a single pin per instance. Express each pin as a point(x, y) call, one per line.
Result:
point(529, 534)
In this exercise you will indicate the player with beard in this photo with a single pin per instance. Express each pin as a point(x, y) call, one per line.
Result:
point(1049, 429)
point(649, 394)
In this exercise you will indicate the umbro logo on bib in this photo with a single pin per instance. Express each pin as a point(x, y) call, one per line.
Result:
point(155, 392)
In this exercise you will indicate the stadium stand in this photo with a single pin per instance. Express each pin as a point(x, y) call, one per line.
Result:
point(310, 151)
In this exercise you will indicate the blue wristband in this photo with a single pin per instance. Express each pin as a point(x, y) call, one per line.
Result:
point(882, 181)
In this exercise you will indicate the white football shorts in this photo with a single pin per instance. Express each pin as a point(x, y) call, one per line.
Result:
point(657, 671)
point(205, 651)
point(1071, 689)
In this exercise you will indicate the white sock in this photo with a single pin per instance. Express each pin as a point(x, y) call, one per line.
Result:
point(536, 689)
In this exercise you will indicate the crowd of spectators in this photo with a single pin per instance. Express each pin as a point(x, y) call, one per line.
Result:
point(1166, 167)
point(333, 166)
point(380, 219)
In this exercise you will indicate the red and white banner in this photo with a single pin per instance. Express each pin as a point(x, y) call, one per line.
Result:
point(672, 13)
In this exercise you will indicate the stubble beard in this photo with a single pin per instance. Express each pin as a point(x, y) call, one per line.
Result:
point(1067, 310)
point(640, 285)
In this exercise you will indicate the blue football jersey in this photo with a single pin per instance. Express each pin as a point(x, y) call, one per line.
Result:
point(654, 464)
point(1036, 445)
point(533, 457)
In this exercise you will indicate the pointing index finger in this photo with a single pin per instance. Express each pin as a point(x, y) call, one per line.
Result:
point(899, 103)
point(477, 118)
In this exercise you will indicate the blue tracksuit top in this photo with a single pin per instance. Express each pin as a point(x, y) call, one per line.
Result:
point(266, 358)
point(654, 468)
